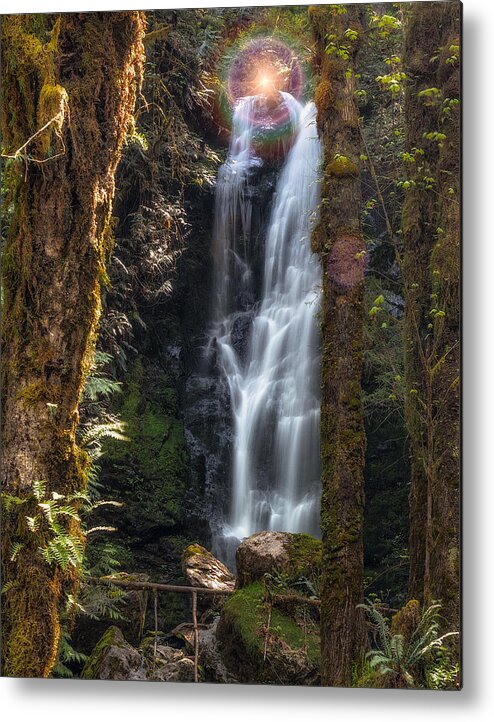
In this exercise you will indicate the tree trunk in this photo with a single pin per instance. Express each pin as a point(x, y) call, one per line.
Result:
point(77, 75)
point(339, 242)
point(431, 270)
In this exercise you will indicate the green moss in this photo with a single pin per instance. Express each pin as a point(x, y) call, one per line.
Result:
point(246, 612)
point(405, 621)
point(111, 638)
point(194, 549)
point(305, 554)
point(149, 469)
point(341, 167)
point(37, 391)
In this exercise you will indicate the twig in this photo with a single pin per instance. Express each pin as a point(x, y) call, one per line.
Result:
point(386, 571)
point(18, 152)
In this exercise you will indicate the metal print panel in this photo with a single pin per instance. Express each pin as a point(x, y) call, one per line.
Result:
point(231, 351)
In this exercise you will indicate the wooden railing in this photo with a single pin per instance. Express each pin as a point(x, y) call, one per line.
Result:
point(156, 587)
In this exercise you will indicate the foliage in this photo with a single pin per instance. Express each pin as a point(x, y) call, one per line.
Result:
point(402, 659)
point(55, 541)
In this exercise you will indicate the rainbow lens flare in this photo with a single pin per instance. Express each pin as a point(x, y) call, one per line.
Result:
point(263, 66)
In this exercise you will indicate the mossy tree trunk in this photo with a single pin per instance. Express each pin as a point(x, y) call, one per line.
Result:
point(339, 242)
point(77, 75)
point(431, 270)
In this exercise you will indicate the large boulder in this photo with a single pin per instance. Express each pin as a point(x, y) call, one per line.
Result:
point(202, 569)
point(268, 631)
point(264, 644)
point(272, 552)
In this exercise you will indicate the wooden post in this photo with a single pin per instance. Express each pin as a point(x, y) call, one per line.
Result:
point(196, 636)
point(155, 622)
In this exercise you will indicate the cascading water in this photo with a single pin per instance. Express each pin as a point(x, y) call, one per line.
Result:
point(274, 382)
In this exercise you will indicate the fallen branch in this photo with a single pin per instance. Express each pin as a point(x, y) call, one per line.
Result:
point(294, 599)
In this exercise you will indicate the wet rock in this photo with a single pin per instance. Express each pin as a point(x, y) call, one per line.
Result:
point(240, 334)
point(181, 670)
point(202, 569)
point(269, 552)
point(168, 665)
point(211, 658)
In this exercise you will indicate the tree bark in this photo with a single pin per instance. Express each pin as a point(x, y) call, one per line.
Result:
point(77, 75)
point(339, 242)
point(431, 271)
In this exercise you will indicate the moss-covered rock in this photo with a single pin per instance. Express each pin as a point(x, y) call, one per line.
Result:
point(406, 620)
point(113, 658)
point(260, 643)
point(274, 552)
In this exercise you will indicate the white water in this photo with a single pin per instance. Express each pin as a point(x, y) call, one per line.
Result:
point(274, 384)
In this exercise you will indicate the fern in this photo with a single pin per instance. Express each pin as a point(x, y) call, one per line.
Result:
point(66, 655)
point(400, 659)
point(8, 586)
point(15, 549)
point(39, 489)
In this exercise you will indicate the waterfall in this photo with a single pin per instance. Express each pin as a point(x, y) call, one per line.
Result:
point(273, 377)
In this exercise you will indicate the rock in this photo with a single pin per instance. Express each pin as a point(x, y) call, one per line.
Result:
point(202, 569)
point(114, 658)
point(269, 552)
point(182, 670)
point(240, 334)
point(211, 658)
point(170, 665)
point(265, 645)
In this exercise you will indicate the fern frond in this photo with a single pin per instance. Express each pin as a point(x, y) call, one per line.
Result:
point(15, 548)
point(9, 501)
point(32, 523)
point(101, 528)
point(39, 489)
point(67, 511)
point(47, 509)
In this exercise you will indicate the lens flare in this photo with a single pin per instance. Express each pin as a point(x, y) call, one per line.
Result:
point(264, 66)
